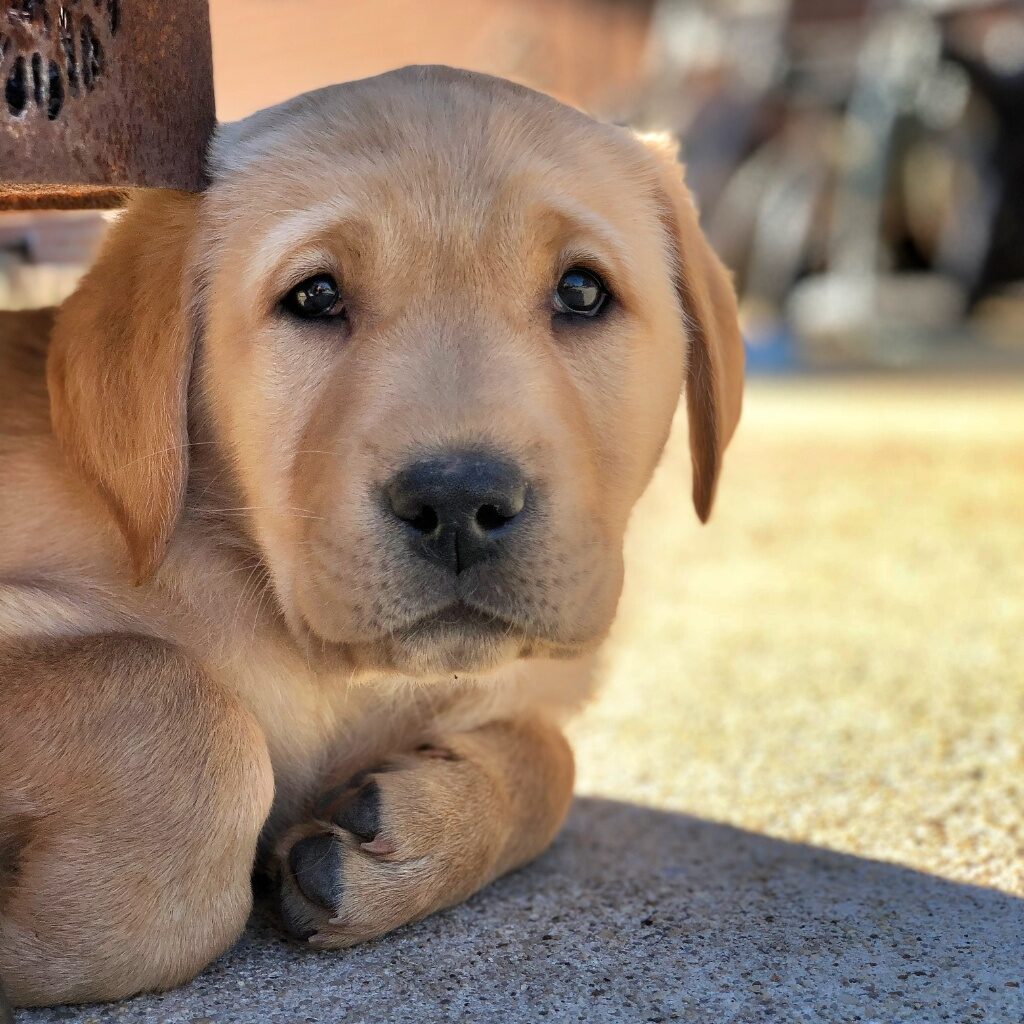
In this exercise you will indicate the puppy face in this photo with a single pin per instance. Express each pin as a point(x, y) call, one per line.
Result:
point(443, 334)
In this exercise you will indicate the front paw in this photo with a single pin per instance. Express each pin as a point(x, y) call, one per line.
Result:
point(391, 845)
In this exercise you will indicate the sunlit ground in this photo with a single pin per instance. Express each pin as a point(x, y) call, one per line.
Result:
point(839, 657)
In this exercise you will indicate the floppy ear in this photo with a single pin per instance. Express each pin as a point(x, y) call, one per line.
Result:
point(118, 372)
point(714, 375)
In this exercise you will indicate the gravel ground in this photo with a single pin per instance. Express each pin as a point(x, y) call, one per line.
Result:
point(802, 791)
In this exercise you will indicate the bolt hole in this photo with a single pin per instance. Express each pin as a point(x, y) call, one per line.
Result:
point(66, 24)
point(92, 53)
point(38, 93)
point(16, 88)
point(56, 92)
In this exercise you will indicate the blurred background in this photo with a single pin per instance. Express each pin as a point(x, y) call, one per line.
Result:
point(859, 163)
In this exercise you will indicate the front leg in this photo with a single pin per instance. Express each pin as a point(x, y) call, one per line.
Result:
point(423, 830)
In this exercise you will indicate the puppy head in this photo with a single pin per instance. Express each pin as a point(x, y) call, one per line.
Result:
point(439, 325)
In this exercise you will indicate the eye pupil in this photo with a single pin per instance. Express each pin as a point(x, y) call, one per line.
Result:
point(579, 291)
point(315, 297)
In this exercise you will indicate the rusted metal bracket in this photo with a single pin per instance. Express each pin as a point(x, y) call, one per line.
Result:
point(97, 96)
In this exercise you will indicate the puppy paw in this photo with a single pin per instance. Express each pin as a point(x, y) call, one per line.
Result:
point(389, 846)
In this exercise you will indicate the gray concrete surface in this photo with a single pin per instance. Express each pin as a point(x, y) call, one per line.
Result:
point(804, 785)
point(643, 915)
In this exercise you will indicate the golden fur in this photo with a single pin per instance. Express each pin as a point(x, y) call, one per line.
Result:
point(211, 650)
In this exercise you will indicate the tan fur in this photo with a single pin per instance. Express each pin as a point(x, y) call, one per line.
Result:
point(109, 747)
point(118, 404)
point(199, 603)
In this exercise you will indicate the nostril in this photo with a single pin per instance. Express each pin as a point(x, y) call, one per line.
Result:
point(458, 507)
point(425, 521)
point(490, 517)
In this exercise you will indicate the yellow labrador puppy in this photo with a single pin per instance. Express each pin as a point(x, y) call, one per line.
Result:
point(311, 518)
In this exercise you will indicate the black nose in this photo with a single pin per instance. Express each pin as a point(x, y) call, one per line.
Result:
point(458, 508)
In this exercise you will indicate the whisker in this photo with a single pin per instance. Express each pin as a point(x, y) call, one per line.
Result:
point(164, 451)
point(294, 512)
point(245, 596)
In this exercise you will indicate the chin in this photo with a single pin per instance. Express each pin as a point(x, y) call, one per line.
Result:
point(459, 640)
point(452, 656)
point(453, 643)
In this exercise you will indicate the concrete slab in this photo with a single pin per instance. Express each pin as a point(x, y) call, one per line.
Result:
point(643, 915)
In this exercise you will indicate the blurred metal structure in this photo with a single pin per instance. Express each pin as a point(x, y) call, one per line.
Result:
point(860, 167)
point(100, 95)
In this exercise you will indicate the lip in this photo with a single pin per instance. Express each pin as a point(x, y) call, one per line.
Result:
point(461, 616)
point(457, 622)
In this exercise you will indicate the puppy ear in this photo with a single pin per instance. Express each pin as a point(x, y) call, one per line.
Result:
point(118, 373)
point(714, 375)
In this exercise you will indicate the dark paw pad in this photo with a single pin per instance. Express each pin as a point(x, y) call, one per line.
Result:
point(361, 814)
point(315, 863)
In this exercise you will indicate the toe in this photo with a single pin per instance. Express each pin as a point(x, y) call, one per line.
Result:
point(361, 814)
point(315, 863)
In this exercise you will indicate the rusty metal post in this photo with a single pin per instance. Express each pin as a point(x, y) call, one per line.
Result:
point(100, 95)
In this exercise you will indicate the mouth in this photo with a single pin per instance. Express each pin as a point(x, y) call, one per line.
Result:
point(457, 637)
point(459, 618)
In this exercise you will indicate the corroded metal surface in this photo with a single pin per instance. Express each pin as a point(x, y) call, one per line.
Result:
point(100, 95)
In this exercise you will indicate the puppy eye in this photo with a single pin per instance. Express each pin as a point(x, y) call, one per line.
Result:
point(580, 292)
point(318, 297)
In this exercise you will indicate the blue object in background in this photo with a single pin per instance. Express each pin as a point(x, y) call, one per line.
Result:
point(772, 350)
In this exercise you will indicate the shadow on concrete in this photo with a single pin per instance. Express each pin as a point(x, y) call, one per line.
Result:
point(643, 915)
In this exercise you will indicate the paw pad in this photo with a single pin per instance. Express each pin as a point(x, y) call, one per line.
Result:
point(361, 814)
point(315, 864)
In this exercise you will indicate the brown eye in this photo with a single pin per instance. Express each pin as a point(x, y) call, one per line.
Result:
point(580, 293)
point(318, 297)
